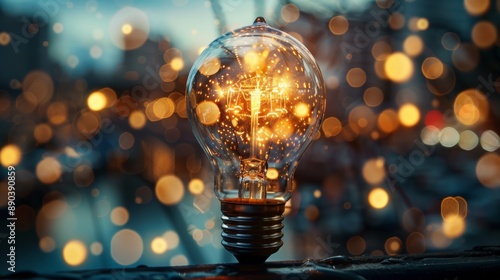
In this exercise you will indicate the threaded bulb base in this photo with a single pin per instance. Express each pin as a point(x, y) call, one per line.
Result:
point(251, 230)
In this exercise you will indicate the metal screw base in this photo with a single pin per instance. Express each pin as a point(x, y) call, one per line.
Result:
point(251, 230)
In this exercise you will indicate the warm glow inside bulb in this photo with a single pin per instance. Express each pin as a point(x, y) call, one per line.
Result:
point(255, 100)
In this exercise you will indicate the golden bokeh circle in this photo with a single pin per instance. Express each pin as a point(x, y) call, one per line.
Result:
point(169, 189)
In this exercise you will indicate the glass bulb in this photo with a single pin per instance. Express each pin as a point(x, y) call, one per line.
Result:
point(255, 99)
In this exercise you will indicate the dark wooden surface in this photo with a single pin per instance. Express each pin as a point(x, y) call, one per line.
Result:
point(478, 263)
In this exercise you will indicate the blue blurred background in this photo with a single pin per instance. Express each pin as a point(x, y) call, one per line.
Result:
point(109, 174)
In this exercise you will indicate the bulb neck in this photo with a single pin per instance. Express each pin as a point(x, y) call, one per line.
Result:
point(251, 230)
point(253, 181)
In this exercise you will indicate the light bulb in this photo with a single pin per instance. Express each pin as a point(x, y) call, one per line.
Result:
point(255, 100)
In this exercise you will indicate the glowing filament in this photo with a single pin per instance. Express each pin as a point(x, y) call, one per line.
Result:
point(254, 126)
